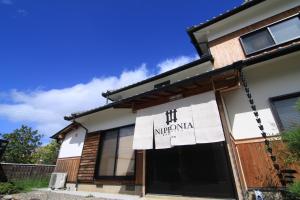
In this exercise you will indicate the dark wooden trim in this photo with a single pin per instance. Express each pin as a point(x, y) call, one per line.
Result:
point(274, 110)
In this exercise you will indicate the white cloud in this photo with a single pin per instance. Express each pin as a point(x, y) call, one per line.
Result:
point(46, 108)
point(7, 2)
point(172, 63)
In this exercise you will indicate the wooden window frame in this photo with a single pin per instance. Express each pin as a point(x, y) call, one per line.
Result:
point(274, 110)
point(267, 27)
point(99, 154)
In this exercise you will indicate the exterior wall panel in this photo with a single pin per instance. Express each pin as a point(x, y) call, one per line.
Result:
point(69, 166)
point(88, 158)
point(72, 144)
point(257, 166)
point(268, 79)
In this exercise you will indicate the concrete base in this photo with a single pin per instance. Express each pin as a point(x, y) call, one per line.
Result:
point(114, 189)
point(71, 186)
point(274, 195)
point(87, 195)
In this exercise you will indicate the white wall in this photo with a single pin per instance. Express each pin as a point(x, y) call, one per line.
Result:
point(111, 118)
point(107, 119)
point(72, 144)
point(268, 79)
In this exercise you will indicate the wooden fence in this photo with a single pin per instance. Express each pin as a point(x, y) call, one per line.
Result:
point(14, 171)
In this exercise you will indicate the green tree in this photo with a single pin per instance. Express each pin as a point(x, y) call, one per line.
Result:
point(46, 154)
point(22, 144)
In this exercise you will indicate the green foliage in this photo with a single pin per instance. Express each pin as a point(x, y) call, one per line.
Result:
point(298, 104)
point(294, 189)
point(26, 185)
point(22, 144)
point(292, 140)
point(8, 188)
point(46, 154)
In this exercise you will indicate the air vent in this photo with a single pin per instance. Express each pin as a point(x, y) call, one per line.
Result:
point(162, 84)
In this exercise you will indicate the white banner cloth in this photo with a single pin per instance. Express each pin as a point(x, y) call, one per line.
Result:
point(185, 121)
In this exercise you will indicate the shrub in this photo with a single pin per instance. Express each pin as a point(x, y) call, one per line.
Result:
point(292, 140)
point(8, 188)
point(294, 189)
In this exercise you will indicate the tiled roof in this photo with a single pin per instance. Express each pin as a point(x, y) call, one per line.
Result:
point(224, 15)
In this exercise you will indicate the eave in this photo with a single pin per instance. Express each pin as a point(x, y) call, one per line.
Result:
point(218, 77)
point(201, 60)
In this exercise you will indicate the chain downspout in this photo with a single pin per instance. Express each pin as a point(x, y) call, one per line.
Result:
point(267, 142)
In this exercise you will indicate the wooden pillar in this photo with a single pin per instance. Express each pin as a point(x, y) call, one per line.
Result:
point(236, 170)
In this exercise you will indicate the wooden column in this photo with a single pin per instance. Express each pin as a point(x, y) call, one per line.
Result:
point(236, 170)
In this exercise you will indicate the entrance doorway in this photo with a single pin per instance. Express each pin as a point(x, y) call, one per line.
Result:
point(195, 170)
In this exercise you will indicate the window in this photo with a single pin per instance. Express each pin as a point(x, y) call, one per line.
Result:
point(116, 156)
point(272, 35)
point(285, 111)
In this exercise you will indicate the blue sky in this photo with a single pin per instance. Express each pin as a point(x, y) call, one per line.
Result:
point(57, 56)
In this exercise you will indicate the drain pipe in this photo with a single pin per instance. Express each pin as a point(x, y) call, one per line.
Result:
point(86, 132)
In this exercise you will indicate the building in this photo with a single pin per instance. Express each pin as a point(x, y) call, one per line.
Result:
point(210, 128)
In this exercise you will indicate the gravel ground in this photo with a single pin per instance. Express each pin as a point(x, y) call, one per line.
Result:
point(47, 195)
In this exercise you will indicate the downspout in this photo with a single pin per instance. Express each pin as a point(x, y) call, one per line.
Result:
point(86, 132)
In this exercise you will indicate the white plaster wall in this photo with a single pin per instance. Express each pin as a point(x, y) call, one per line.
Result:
point(247, 17)
point(272, 78)
point(107, 119)
point(72, 144)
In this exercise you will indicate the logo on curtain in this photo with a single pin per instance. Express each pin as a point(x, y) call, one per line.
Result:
point(171, 116)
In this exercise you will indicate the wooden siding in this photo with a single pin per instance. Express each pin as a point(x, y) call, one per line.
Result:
point(139, 169)
point(70, 166)
point(227, 49)
point(257, 166)
point(88, 158)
